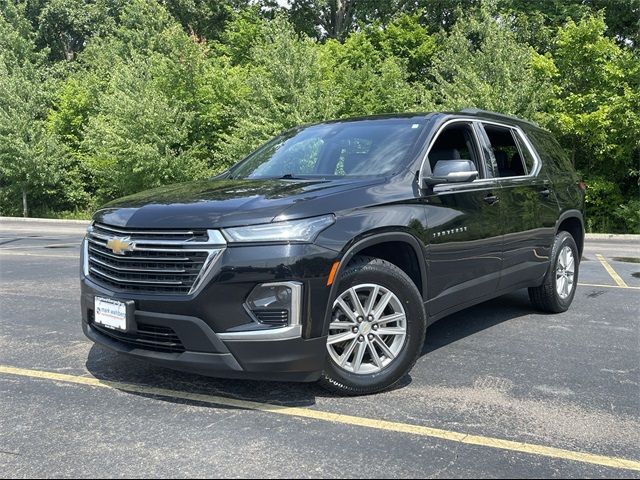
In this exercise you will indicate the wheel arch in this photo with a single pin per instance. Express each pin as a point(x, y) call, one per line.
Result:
point(572, 222)
point(377, 245)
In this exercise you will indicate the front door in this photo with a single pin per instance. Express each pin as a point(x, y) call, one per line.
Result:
point(464, 255)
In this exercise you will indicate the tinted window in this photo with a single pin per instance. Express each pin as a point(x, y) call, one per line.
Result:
point(356, 148)
point(553, 156)
point(505, 151)
point(455, 142)
point(527, 157)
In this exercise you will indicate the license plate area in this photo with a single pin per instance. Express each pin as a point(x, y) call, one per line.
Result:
point(111, 313)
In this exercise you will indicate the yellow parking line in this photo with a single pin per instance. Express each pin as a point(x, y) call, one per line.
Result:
point(611, 271)
point(607, 286)
point(478, 440)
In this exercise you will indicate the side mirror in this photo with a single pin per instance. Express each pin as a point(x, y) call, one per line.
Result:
point(451, 171)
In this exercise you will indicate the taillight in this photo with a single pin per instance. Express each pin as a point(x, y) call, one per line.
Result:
point(582, 186)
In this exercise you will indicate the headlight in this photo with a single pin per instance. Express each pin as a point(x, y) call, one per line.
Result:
point(305, 230)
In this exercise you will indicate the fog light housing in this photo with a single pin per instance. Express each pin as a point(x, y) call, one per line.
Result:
point(275, 304)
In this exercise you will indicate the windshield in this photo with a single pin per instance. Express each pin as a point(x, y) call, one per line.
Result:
point(354, 148)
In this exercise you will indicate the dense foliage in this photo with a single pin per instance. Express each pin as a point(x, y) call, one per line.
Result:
point(102, 98)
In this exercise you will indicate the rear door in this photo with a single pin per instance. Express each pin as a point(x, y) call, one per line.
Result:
point(463, 225)
point(529, 209)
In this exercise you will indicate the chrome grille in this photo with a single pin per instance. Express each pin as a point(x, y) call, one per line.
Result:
point(154, 261)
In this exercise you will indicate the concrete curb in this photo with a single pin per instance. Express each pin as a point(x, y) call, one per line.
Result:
point(43, 220)
point(631, 238)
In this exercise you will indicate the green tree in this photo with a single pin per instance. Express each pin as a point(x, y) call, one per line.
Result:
point(291, 80)
point(285, 87)
point(24, 144)
point(596, 114)
point(481, 64)
point(16, 35)
point(65, 26)
point(243, 32)
point(169, 90)
point(538, 20)
point(337, 18)
point(366, 81)
point(138, 138)
point(406, 38)
point(26, 166)
point(206, 19)
point(444, 14)
point(135, 108)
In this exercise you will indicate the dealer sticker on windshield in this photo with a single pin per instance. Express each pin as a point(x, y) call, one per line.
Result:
point(110, 313)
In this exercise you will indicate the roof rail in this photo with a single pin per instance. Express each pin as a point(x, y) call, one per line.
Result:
point(487, 113)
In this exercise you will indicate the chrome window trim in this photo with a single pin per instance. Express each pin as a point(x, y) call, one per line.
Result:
point(537, 162)
point(482, 181)
point(293, 330)
point(425, 158)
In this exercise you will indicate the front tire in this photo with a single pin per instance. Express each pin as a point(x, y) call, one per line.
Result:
point(559, 287)
point(377, 330)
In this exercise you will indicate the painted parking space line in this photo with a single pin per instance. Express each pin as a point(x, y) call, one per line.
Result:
point(4, 241)
point(611, 271)
point(607, 286)
point(300, 412)
point(39, 247)
point(25, 254)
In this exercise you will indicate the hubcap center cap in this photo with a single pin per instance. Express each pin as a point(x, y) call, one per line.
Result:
point(365, 328)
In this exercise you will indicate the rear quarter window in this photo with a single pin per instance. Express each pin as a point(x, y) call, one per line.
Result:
point(554, 159)
point(527, 156)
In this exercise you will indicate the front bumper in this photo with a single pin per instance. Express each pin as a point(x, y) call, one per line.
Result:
point(296, 360)
point(201, 322)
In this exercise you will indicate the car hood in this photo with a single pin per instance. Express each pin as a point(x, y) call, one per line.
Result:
point(224, 203)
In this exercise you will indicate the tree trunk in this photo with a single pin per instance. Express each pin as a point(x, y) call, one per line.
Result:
point(67, 46)
point(338, 18)
point(25, 208)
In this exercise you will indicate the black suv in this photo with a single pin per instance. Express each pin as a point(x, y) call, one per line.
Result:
point(326, 253)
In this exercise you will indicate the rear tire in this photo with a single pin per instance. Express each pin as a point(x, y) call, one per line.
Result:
point(375, 341)
point(559, 287)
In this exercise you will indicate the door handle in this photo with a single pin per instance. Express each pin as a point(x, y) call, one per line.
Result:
point(491, 199)
point(545, 193)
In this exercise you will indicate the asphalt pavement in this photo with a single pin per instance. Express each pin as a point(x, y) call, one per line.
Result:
point(500, 390)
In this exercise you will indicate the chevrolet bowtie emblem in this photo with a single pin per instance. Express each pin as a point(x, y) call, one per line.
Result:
point(119, 245)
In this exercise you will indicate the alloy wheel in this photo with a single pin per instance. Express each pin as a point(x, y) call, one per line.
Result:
point(368, 329)
point(565, 270)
